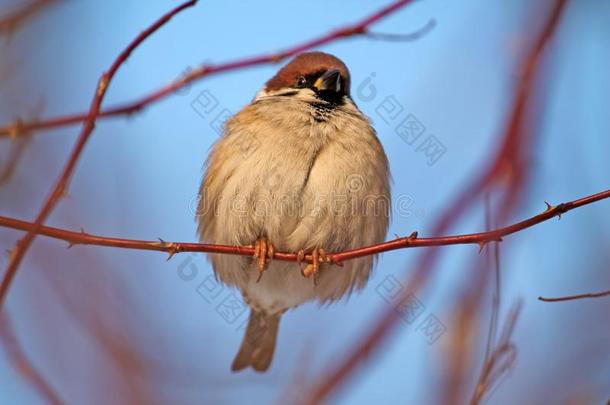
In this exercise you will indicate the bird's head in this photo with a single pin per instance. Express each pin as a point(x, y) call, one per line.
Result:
point(312, 75)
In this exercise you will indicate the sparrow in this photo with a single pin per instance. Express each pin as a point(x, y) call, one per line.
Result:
point(299, 169)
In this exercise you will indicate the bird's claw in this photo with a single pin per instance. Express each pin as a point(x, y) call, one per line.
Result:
point(318, 256)
point(263, 253)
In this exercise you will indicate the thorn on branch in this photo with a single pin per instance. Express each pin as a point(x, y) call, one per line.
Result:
point(561, 209)
point(482, 244)
point(170, 247)
point(407, 239)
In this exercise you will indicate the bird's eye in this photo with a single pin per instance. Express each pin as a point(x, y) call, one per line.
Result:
point(301, 82)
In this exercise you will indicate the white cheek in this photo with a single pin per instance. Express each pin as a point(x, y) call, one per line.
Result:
point(281, 94)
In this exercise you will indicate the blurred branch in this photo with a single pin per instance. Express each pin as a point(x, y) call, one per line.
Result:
point(481, 238)
point(501, 359)
point(61, 184)
point(18, 148)
point(110, 331)
point(576, 297)
point(359, 28)
point(11, 22)
point(507, 164)
point(23, 365)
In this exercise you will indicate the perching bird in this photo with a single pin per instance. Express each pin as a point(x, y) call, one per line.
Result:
point(299, 169)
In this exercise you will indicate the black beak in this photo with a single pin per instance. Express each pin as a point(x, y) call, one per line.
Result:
point(330, 81)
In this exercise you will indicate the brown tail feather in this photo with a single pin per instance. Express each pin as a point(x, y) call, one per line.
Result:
point(259, 342)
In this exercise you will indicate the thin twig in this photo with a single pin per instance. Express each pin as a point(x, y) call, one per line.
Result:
point(61, 184)
point(129, 108)
point(413, 241)
point(576, 297)
point(411, 36)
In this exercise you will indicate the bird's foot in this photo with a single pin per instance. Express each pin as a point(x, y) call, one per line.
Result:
point(263, 253)
point(318, 256)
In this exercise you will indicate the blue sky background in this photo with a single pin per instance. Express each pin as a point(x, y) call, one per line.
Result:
point(139, 176)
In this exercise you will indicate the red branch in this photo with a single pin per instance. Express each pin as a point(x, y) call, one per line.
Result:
point(61, 183)
point(481, 238)
point(506, 163)
point(358, 28)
